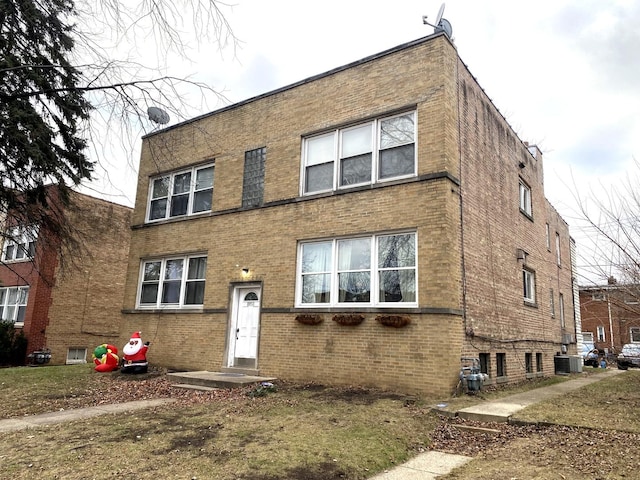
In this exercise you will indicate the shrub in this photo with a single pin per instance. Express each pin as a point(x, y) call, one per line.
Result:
point(13, 344)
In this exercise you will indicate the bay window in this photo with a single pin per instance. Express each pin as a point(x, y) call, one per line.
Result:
point(182, 193)
point(378, 270)
point(172, 282)
point(359, 155)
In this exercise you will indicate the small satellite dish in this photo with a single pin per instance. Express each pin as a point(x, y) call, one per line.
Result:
point(441, 24)
point(158, 115)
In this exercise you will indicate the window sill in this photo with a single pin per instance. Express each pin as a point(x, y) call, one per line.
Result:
point(530, 304)
point(164, 310)
point(528, 215)
point(502, 380)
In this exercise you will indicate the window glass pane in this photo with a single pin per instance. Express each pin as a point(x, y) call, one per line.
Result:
point(179, 205)
point(253, 177)
point(398, 286)
point(354, 287)
point(316, 257)
point(319, 177)
point(171, 292)
point(194, 294)
point(22, 309)
point(9, 312)
point(320, 149)
point(355, 170)
point(149, 293)
point(173, 270)
point(10, 252)
point(204, 178)
point(158, 209)
point(197, 267)
point(182, 183)
point(396, 251)
point(13, 296)
point(3, 295)
point(152, 271)
point(396, 131)
point(160, 187)
point(23, 295)
point(356, 141)
point(20, 251)
point(354, 254)
point(397, 161)
point(202, 201)
point(316, 288)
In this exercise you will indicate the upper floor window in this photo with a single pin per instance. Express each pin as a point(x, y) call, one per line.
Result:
point(13, 303)
point(253, 178)
point(552, 304)
point(379, 270)
point(561, 305)
point(601, 335)
point(558, 258)
point(362, 154)
point(182, 193)
point(548, 236)
point(172, 282)
point(529, 285)
point(525, 199)
point(20, 244)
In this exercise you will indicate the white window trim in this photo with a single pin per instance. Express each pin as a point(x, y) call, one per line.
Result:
point(558, 256)
point(76, 361)
point(17, 237)
point(531, 298)
point(525, 202)
point(603, 337)
point(374, 269)
point(375, 155)
point(183, 283)
point(192, 190)
point(17, 305)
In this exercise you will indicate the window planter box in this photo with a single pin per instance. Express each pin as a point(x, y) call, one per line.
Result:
point(397, 321)
point(348, 319)
point(309, 319)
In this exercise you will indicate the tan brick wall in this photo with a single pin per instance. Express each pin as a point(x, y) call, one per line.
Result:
point(86, 300)
point(497, 318)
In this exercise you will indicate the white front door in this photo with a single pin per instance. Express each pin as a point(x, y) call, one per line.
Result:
point(245, 320)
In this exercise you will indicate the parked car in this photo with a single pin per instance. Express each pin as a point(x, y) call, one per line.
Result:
point(590, 354)
point(629, 356)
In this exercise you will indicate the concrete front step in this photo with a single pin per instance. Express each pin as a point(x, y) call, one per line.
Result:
point(216, 379)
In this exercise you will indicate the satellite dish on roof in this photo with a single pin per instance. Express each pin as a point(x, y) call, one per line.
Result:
point(441, 24)
point(158, 115)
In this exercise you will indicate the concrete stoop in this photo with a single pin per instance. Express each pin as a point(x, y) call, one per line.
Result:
point(204, 380)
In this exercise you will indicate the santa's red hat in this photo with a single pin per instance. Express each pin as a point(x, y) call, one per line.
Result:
point(135, 335)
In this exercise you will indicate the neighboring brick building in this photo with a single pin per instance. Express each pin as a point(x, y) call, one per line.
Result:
point(72, 306)
point(387, 190)
point(610, 316)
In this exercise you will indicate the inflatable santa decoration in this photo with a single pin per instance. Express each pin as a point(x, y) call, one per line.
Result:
point(134, 358)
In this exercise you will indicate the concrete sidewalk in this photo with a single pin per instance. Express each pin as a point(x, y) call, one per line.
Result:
point(430, 465)
point(21, 423)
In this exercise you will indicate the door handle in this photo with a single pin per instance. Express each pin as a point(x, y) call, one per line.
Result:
point(237, 332)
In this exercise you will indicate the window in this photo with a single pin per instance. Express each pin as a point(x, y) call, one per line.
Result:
point(253, 180)
point(561, 307)
point(20, 244)
point(601, 336)
point(13, 303)
point(539, 362)
point(485, 363)
point(182, 193)
point(361, 154)
point(528, 362)
point(635, 334)
point(548, 236)
point(529, 285)
point(378, 270)
point(552, 304)
point(76, 355)
point(597, 297)
point(501, 364)
point(172, 282)
point(587, 337)
point(558, 249)
point(525, 199)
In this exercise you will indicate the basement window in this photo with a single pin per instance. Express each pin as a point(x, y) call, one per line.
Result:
point(76, 355)
point(501, 364)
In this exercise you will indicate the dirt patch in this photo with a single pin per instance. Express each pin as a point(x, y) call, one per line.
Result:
point(323, 471)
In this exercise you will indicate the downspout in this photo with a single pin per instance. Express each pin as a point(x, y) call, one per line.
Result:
point(462, 256)
point(610, 324)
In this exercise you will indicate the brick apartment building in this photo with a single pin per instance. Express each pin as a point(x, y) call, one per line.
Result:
point(389, 191)
point(610, 316)
point(71, 303)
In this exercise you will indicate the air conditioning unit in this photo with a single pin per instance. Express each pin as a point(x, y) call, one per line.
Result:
point(575, 364)
point(568, 338)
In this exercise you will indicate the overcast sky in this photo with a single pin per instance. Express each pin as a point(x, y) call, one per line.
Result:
point(565, 74)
